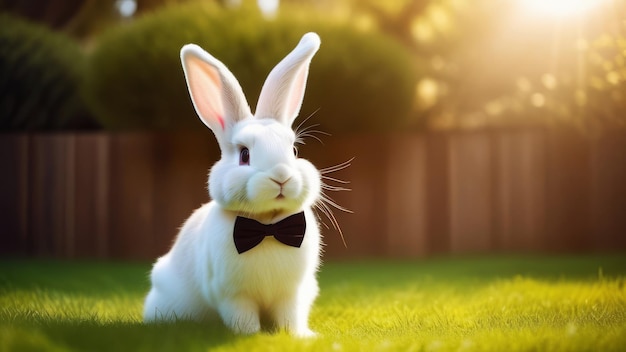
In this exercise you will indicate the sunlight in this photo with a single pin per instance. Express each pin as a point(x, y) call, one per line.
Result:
point(560, 8)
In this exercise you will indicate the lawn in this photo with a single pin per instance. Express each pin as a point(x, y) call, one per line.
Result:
point(461, 304)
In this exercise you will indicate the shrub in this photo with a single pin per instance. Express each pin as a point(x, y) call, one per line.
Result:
point(359, 81)
point(40, 77)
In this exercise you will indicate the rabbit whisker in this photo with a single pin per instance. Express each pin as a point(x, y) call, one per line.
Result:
point(297, 129)
point(309, 134)
point(327, 200)
point(326, 210)
point(334, 188)
point(325, 204)
point(337, 167)
point(309, 131)
point(317, 215)
point(332, 179)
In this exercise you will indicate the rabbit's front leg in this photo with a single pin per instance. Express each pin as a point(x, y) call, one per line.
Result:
point(241, 315)
point(292, 315)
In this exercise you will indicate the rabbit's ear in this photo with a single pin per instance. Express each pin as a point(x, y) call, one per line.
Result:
point(283, 90)
point(215, 92)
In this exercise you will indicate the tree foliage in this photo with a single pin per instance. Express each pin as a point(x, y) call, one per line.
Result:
point(359, 80)
point(40, 78)
point(450, 63)
point(493, 63)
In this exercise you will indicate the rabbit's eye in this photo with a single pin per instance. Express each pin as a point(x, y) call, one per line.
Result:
point(244, 156)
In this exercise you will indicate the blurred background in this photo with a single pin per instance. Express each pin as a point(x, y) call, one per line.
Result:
point(476, 126)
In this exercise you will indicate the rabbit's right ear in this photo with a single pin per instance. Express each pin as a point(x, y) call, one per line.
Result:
point(215, 92)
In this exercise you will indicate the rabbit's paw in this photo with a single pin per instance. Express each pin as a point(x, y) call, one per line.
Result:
point(305, 333)
point(241, 316)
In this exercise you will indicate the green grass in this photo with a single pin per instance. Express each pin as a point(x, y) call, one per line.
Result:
point(466, 304)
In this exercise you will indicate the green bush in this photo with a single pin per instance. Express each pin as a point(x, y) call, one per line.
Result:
point(359, 81)
point(40, 78)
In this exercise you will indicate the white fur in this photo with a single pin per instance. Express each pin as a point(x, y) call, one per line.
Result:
point(203, 275)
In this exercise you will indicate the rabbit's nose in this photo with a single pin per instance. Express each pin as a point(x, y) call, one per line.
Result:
point(281, 174)
point(280, 183)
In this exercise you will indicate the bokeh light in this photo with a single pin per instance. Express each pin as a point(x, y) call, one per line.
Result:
point(560, 8)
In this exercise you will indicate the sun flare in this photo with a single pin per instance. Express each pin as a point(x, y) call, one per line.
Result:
point(560, 8)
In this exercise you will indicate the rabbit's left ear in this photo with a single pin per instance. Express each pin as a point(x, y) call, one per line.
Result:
point(283, 91)
point(215, 92)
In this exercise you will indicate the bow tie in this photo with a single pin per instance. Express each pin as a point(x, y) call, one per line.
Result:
point(248, 233)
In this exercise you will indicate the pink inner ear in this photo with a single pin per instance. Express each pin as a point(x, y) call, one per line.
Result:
point(297, 94)
point(205, 87)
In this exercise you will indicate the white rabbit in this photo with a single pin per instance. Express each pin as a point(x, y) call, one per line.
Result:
point(258, 177)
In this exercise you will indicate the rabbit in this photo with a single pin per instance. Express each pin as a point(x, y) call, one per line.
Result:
point(260, 178)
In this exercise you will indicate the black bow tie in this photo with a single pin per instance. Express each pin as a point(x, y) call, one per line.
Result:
point(248, 233)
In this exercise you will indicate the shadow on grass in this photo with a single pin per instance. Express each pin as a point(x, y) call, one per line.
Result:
point(96, 336)
point(62, 319)
point(90, 277)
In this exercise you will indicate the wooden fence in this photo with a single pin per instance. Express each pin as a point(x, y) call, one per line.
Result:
point(124, 195)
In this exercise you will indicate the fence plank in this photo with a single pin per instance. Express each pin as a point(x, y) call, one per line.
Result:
point(48, 213)
point(406, 197)
point(567, 189)
point(85, 196)
point(520, 204)
point(608, 188)
point(131, 212)
point(181, 164)
point(438, 193)
point(334, 151)
point(101, 191)
point(14, 194)
point(470, 193)
point(365, 229)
